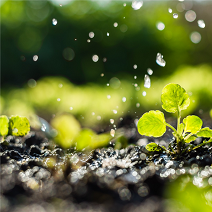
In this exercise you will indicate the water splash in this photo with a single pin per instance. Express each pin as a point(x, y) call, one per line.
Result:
point(175, 15)
point(137, 4)
point(159, 60)
point(147, 82)
point(54, 21)
point(201, 23)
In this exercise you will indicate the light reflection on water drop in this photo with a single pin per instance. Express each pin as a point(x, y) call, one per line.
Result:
point(201, 23)
point(195, 37)
point(112, 121)
point(137, 104)
point(170, 10)
point(115, 24)
point(108, 33)
point(108, 96)
point(35, 58)
point(102, 74)
point(135, 66)
point(159, 60)
point(124, 99)
point(95, 58)
point(124, 4)
point(71, 108)
point(144, 93)
point(115, 111)
point(91, 34)
point(175, 15)
point(135, 77)
point(60, 85)
point(15, 130)
point(149, 71)
point(190, 15)
point(160, 26)
point(137, 4)
point(88, 40)
point(147, 82)
point(54, 21)
point(58, 99)
point(112, 132)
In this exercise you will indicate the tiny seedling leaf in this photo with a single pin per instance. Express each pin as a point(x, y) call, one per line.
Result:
point(191, 138)
point(192, 124)
point(4, 124)
point(18, 125)
point(152, 124)
point(174, 97)
point(205, 132)
point(152, 147)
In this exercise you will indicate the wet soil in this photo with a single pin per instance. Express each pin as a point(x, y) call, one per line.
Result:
point(37, 175)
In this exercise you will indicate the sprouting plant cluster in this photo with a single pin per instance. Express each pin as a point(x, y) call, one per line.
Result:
point(174, 99)
point(15, 125)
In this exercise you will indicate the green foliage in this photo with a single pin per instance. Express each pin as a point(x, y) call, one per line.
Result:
point(4, 125)
point(15, 125)
point(174, 99)
point(18, 125)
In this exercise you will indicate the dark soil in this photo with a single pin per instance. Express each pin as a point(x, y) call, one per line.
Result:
point(36, 175)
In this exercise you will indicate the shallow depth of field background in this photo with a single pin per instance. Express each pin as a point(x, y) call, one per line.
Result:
point(89, 58)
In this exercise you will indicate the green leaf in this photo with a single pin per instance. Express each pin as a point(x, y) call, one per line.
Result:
point(152, 147)
point(181, 128)
point(4, 124)
point(152, 124)
point(205, 132)
point(18, 125)
point(192, 124)
point(174, 97)
point(191, 138)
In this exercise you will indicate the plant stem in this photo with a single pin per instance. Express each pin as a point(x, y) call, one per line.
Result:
point(178, 129)
point(207, 142)
point(171, 127)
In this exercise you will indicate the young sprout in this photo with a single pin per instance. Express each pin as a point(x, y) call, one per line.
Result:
point(174, 99)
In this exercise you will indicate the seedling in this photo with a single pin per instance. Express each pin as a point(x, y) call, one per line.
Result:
point(174, 99)
point(15, 125)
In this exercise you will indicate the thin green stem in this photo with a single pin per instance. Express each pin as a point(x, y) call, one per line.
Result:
point(188, 136)
point(170, 126)
point(178, 119)
point(207, 142)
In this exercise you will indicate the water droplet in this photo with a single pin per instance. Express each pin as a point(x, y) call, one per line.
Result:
point(201, 23)
point(190, 15)
point(32, 83)
point(58, 99)
point(88, 40)
point(137, 105)
point(91, 34)
point(112, 132)
point(124, 4)
point(54, 21)
point(160, 26)
point(104, 59)
point(175, 15)
point(115, 82)
point(144, 93)
point(92, 113)
point(108, 96)
point(108, 84)
point(159, 60)
point(68, 54)
point(149, 71)
point(98, 118)
point(95, 58)
point(135, 66)
point(136, 85)
point(124, 99)
point(71, 108)
point(147, 82)
point(35, 57)
point(115, 24)
point(170, 10)
point(112, 121)
point(43, 127)
point(108, 33)
point(115, 111)
point(15, 130)
point(137, 4)
point(61, 5)
point(60, 85)
point(102, 74)
point(195, 37)
point(180, 0)
point(135, 77)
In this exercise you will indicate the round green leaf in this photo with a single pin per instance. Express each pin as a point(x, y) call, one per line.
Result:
point(18, 125)
point(152, 124)
point(205, 132)
point(174, 97)
point(4, 124)
point(192, 124)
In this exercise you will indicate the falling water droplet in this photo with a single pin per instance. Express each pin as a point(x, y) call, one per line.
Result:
point(32, 83)
point(91, 34)
point(95, 58)
point(112, 121)
point(54, 21)
point(190, 15)
point(108, 96)
point(58, 99)
point(175, 15)
point(108, 33)
point(92, 113)
point(112, 132)
point(195, 37)
point(149, 71)
point(124, 4)
point(137, 4)
point(115, 24)
point(160, 26)
point(170, 10)
point(88, 40)
point(137, 104)
point(124, 99)
point(104, 59)
point(147, 82)
point(35, 57)
point(98, 118)
point(159, 60)
point(115, 111)
point(201, 23)
point(144, 93)
point(15, 130)
point(135, 66)
point(135, 77)
point(102, 74)
point(71, 108)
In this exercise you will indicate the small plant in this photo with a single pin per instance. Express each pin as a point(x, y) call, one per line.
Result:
point(174, 99)
point(15, 125)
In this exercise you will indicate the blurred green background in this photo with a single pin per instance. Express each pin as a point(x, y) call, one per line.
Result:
point(89, 58)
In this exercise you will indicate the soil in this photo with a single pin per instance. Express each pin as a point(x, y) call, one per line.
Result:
point(37, 175)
